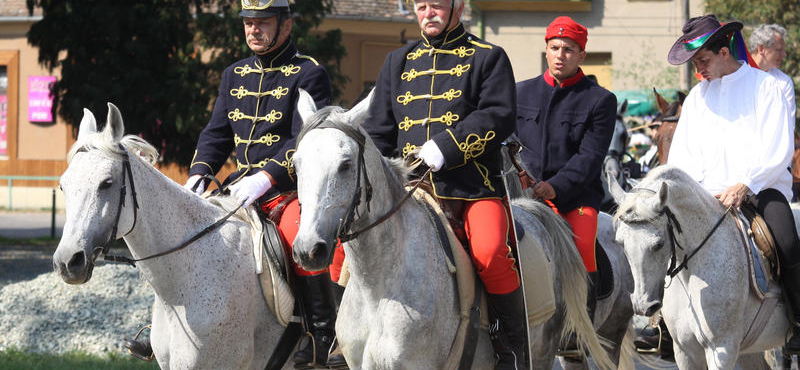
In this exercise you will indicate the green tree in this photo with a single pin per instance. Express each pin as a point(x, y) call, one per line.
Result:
point(159, 61)
point(785, 13)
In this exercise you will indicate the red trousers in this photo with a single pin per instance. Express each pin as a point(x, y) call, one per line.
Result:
point(487, 224)
point(583, 221)
point(288, 227)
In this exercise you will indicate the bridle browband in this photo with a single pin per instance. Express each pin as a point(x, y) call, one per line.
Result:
point(672, 226)
point(126, 172)
point(346, 222)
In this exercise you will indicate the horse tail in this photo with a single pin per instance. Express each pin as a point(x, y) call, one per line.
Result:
point(627, 351)
point(574, 281)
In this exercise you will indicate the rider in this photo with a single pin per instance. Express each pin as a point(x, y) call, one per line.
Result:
point(255, 116)
point(733, 139)
point(565, 123)
point(451, 95)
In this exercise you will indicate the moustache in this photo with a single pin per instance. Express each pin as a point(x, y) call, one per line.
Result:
point(435, 19)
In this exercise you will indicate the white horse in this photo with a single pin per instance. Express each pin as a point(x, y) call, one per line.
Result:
point(707, 306)
point(400, 309)
point(209, 312)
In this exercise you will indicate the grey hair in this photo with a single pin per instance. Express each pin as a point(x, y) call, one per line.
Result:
point(763, 35)
point(456, 3)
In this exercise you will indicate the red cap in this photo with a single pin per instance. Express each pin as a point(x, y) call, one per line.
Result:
point(565, 27)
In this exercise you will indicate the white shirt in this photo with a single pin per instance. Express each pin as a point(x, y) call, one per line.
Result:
point(734, 130)
point(787, 86)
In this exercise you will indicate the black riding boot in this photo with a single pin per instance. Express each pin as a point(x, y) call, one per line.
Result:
point(508, 330)
point(320, 311)
point(791, 285)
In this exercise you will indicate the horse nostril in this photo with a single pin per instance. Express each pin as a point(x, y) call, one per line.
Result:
point(319, 247)
point(77, 261)
point(652, 309)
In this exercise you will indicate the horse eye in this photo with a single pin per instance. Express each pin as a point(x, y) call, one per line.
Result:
point(345, 166)
point(658, 246)
point(105, 184)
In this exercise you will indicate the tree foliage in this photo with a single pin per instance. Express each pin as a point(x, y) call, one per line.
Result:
point(785, 13)
point(159, 61)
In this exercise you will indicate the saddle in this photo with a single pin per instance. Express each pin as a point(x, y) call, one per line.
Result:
point(761, 235)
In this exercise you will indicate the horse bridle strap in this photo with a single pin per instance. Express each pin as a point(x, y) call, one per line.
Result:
point(208, 229)
point(671, 220)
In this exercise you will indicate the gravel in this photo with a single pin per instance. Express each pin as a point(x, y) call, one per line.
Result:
point(47, 315)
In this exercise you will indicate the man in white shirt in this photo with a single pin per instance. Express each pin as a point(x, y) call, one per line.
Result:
point(767, 46)
point(732, 138)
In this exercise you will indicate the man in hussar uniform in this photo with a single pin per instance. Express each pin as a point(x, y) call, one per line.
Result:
point(565, 123)
point(255, 116)
point(452, 96)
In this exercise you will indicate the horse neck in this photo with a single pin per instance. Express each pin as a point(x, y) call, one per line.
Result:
point(167, 216)
point(698, 212)
point(390, 247)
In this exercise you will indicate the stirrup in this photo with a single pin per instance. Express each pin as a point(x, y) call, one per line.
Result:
point(336, 350)
point(140, 349)
point(657, 349)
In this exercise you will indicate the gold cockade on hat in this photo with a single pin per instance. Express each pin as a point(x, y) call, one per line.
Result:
point(256, 4)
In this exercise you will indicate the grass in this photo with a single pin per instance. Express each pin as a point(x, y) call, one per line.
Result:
point(13, 359)
point(34, 242)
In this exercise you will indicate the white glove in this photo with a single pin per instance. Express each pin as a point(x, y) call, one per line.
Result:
point(201, 187)
point(431, 155)
point(251, 187)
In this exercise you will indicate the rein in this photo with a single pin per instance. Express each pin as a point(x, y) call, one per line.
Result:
point(672, 226)
point(127, 173)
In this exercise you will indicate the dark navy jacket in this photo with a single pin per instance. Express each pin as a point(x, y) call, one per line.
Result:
point(565, 133)
point(263, 139)
point(460, 95)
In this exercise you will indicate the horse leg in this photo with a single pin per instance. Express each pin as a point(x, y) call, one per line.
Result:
point(686, 360)
point(753, 361)
point(544, 344)
point(721, 357)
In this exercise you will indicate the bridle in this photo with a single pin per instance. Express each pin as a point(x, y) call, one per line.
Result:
point(343, 232)
point(126, 172)
point(673, 227)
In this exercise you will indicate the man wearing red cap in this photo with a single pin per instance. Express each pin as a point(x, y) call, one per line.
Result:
point(565, 123)
point(451, 97)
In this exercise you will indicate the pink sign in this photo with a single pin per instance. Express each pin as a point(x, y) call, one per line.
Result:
point(3, 125)
point(40, 102)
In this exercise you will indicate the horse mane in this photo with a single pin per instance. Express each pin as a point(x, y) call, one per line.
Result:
point(684, 193)
point(333, 117)
point(109, 147)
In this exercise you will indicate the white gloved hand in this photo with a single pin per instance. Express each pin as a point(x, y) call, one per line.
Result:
point(201, 187)
point(251, 187)
point(431, 155)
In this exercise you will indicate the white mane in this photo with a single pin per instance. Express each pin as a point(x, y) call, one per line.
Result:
point(109, 147)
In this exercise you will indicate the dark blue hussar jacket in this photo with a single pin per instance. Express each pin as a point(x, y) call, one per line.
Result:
point(255, 116)
point(565, 133)
point(460, 94)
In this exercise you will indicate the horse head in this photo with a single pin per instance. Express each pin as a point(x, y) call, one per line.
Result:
point(642, 229)
point(331, 179)
point(98, 208)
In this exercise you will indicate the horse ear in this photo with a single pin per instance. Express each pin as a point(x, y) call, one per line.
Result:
point(88, 124)
point(616, 191)
point(306, 106)
point(114, 128)
point(661, 102)
point(662, 195)
point(356, 114)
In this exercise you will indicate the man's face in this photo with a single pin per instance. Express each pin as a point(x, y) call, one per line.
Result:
point(710, 65)
point(432, 16)
point(564, 56)
point(772, 57)
point(260, 32)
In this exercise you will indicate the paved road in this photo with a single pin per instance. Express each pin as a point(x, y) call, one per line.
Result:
point(18, 224)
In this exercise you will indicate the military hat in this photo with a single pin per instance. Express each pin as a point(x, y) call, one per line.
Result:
point(263, 8)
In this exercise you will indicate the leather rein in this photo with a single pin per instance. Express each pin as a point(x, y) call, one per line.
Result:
point(127, 173)
point(343, 232)
point(674, 226)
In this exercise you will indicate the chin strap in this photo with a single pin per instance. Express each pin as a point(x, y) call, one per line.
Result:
point(277, 31)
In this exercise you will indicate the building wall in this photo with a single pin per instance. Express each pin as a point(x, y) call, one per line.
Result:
point(636, 34)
